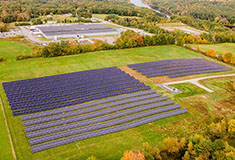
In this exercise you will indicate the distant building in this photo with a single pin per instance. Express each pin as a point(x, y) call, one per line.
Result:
point(94, 19)
point(51, 22)
point(49, 16)
point(69, 14)
point(76, 30)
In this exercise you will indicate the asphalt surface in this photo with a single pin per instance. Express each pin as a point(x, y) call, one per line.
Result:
point(196, 81)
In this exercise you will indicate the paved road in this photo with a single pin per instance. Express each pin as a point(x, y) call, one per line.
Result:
point(196, 81)
point(126, 28)
point(139, 3)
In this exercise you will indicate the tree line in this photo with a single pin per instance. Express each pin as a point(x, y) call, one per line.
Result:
point(211, 145)
point(221, 11)
point(25, 10)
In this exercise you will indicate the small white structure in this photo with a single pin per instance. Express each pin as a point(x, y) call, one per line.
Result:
point(170, 89)
point(49, 16)
point(69, 14)
point(51, 22)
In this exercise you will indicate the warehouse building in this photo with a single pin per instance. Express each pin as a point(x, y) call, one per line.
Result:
point(76, 30)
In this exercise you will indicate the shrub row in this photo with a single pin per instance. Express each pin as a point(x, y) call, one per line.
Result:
point(2, 59)
point(228, 58)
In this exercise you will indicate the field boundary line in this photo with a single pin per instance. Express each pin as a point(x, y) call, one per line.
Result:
point(8, 130)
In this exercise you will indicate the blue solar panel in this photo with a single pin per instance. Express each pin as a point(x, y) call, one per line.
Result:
point(87, 110)
point(75, 102)
point(116, 98)
point(93, 120)
point(71, 139)
point(178, 67)
point(52, 112)
point(100, 125)
point(97, 113)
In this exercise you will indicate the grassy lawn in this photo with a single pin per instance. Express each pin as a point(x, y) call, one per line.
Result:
point(221, 48)
point(10, 50)
point(188, 89)
point(100, 16)
point(112, 26)
point(5, 148)
point(104, 147)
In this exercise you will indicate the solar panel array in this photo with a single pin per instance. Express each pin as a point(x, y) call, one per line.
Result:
point(178, 67)
point(62, 109)
point(41, 94)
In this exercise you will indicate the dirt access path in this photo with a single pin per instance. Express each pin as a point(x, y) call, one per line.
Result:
point(8, 131)
point(134, 73)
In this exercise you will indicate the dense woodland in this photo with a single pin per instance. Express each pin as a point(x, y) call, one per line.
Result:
point(220, 11)
point(210, 145)
point(25, 10)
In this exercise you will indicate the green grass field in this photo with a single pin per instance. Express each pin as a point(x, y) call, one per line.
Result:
point(112, 26)
point(105, 147)
point(5, 148)
point(10, 50)
point(100, 16)
point(219, 48)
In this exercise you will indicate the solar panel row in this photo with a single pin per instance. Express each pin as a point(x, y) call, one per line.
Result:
point(75, 102)
point(65, 86)
point(98, 113)
point(97, 102)
point(86, 110)
point(174, 65)
point(200, 72)
point(76, 96)
point(71, 139)
point(171, 65)
point(93, 120)
point(73, 92)
point(100, 125)
point(178, 67)
point(64, 83)
point(185, 70)
point(60, 77)
point(164, 62)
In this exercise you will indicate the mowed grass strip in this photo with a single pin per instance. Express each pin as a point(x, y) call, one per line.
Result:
point(221, 48)
point(9, 50)
point(38, 67)
point(105, 147)
point(5, 147)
